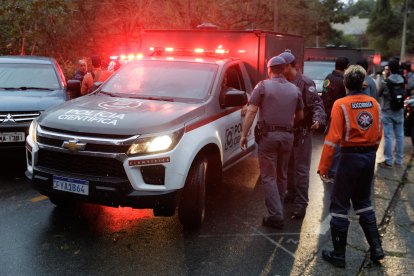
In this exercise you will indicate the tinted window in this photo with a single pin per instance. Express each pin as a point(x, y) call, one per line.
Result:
point(172, 79)
point(28, 75)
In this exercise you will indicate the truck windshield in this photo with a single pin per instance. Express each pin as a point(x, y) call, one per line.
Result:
point(28, 77)
point(154, 79)
point(318, 70)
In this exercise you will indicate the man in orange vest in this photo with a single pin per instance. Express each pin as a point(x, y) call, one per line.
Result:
point(96, 75)
point(356, 126)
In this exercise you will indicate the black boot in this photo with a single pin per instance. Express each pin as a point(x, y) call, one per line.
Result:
point(374, 241)
point(337, 256)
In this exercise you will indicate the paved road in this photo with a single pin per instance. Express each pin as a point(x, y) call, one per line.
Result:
point(38, 239)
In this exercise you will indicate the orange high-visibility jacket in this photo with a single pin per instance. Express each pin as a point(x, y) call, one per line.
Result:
point(88, 80)
point(355, 122)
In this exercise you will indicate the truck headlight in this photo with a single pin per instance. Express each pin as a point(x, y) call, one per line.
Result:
point(155, 144)
point(33, 130)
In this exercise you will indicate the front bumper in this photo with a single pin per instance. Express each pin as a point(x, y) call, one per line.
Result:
point(109, 192)
point(114, 180)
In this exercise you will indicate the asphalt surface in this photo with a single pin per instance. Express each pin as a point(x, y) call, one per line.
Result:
point(38, 239)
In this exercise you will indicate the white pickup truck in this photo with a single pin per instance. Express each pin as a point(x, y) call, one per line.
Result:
point(156, 134)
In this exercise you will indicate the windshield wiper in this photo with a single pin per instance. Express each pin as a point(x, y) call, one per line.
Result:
point(108, 93)
point(27, 88)
point(153, 98)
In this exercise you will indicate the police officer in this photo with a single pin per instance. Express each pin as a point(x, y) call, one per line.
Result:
point(300, 159)
point(280, 104)
point(356, 126)
point(333, 89)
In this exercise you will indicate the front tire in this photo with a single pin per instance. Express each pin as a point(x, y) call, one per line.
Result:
point(191, 209)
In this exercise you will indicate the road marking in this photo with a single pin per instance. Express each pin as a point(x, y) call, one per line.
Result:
point(324, 226)
point(295, 242)
point(272, 241)
point(39, 198)
point(266, 236)
point(268, 266)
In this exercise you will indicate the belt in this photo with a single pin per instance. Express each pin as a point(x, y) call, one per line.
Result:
point(366, 149)
point(271, 128)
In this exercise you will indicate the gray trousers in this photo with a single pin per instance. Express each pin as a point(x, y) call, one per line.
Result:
point(274, 152)
point(298, 172)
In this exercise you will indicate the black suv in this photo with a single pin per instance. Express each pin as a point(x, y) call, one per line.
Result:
point(28, 86)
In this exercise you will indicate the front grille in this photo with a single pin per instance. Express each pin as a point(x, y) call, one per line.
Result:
point(18, 117)
point(81, 164)
point(89, 146)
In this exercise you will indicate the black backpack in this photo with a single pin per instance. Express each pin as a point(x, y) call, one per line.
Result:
point(397, 94)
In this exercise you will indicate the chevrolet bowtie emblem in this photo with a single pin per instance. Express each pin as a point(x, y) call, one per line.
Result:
point(74, 145)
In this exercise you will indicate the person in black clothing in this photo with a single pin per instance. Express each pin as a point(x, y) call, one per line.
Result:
point(333, 85)
point(333, 89)
point(82, 70)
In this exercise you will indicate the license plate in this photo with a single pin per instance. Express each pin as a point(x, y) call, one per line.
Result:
point(71, 185)
point(11, 137)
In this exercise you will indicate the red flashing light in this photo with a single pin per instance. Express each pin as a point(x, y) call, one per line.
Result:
point(242, 51)
point(123, 57)
point(377, 59)
point(220, 51)
point(169, 49)
point(198, 50)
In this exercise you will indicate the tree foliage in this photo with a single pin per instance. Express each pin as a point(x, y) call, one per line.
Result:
point(72, 29)
point(361, 8)
point(385, 27)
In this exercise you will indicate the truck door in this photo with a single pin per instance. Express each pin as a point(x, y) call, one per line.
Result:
point(232, 125)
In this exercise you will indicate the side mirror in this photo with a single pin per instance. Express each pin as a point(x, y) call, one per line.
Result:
point(96, 85)
point(74, 86)
point(235, 97)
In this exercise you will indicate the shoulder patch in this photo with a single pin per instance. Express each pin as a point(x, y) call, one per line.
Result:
point(365, 120)
point(326, 83)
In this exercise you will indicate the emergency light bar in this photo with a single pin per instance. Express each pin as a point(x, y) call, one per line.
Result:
point(157, 51)
point(124, 57)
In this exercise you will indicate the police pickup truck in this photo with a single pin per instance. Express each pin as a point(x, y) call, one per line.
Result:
point(157, 134)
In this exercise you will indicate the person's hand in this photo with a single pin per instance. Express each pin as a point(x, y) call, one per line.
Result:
point(315, 125)
point(324, 178)
point(243, 142)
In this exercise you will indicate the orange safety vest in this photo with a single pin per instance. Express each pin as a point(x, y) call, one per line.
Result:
point(89, 79)
point(355, 122)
